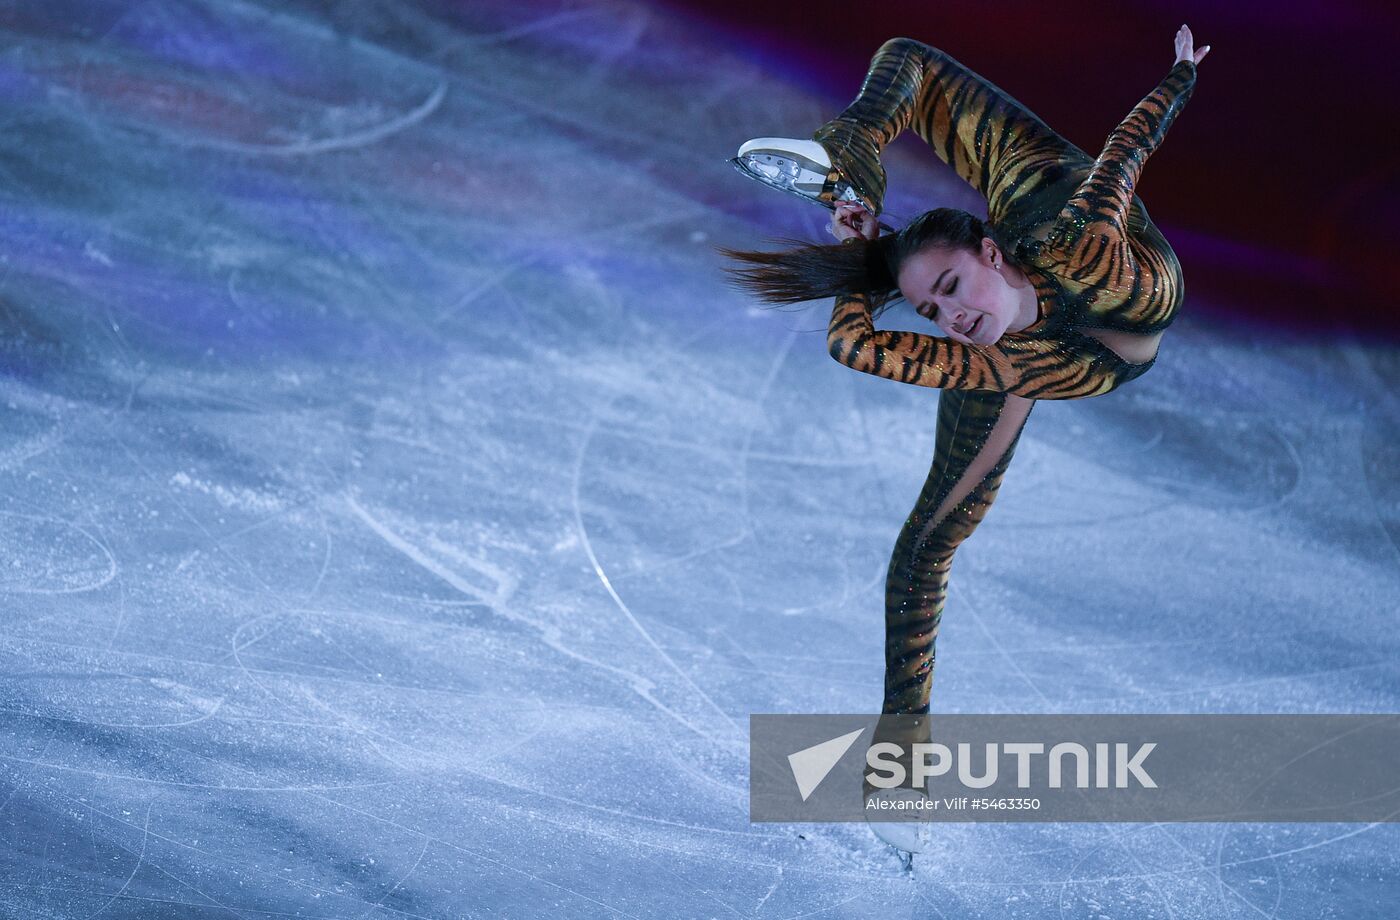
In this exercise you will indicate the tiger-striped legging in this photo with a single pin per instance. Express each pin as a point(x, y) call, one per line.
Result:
point(1033, 180)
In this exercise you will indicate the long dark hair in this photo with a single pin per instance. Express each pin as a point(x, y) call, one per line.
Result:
point(808, 271)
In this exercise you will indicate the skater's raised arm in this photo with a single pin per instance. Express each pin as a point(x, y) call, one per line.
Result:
point(1035, 368)
point(910, 357)
point(1100, 205)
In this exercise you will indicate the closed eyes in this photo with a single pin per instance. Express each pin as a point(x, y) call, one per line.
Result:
point(948, 293)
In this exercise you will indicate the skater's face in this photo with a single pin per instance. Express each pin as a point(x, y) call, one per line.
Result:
point(963, 291)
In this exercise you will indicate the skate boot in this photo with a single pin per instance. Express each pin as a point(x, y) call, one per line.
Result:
point(911, 805)
point(908, 836)
point(803, 168)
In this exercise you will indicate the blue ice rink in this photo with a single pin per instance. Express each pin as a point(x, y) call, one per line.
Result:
point(400, 518)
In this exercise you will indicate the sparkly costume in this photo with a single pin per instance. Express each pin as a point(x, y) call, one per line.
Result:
point(1081, 236)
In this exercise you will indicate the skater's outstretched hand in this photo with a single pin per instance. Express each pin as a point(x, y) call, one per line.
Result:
point(851, 220)
point(1185, 47)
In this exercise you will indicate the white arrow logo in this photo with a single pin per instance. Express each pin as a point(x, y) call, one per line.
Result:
point(811, 765)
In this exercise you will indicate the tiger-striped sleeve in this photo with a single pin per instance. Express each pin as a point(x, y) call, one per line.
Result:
point(1100, 205)
point(1040, 369)
point(910, 357)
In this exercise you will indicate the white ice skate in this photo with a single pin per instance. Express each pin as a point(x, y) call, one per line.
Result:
point(910, 836)
point(801, 168)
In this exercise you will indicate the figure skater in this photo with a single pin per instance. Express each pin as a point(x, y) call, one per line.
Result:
point(1064, 291)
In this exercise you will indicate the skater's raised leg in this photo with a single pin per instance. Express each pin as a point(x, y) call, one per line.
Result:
point(992, 141)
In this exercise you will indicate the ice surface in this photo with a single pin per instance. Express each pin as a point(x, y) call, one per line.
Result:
point(400, 518)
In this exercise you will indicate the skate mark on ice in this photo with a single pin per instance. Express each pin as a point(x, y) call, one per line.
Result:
point(495, 598)
point(473, 853)
point(140, 858)
point(102, 774)
point(236, 864)
point(734, 743)
point(551, 635)
point(35, 553)
point(361, 138)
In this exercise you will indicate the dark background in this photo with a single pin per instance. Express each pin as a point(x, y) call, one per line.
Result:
point(1278, 185)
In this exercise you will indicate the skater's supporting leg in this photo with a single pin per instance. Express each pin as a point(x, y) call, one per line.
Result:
point(977, 434)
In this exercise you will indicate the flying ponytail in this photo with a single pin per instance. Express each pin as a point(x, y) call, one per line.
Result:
point(809, 271)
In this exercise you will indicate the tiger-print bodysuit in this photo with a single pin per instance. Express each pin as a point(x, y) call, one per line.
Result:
point(1100, 268)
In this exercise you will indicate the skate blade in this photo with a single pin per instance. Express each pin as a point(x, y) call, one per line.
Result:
point(786, 174)
point(789, 174)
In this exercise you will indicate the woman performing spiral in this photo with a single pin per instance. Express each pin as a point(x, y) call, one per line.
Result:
point(1064, 291)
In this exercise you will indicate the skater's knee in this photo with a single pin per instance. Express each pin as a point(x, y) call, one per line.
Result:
point(929, 557)
point(907, 46)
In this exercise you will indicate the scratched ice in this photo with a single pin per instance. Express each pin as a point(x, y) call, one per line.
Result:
point(398, 518)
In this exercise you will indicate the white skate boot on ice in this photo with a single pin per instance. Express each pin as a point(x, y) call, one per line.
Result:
point(909, 836)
